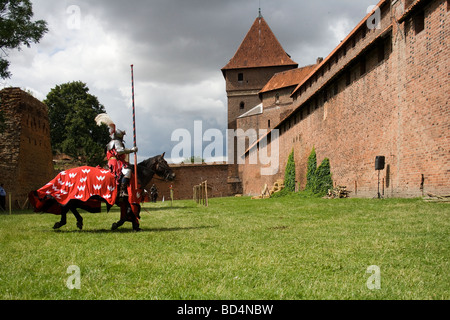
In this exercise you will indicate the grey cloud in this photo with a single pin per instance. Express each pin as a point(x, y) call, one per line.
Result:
point(177, 45)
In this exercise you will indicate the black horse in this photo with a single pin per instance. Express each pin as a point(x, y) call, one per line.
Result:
point(130, 212)
point(146, 170)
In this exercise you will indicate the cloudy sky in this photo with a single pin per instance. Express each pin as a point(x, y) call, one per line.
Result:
point(177, 47)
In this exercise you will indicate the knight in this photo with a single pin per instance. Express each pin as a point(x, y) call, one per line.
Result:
point(116, 154)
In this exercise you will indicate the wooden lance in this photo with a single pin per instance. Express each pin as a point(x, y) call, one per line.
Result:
point(134, 128)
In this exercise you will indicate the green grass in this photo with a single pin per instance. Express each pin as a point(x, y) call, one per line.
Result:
point(285, 248)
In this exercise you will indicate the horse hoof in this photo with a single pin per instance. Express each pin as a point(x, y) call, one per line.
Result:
point(115, 226)
point(80, 225)
point(57, 225)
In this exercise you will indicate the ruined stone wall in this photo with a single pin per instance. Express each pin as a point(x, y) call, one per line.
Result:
point(25, 150)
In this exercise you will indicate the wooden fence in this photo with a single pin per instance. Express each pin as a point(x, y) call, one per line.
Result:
point(201, 193)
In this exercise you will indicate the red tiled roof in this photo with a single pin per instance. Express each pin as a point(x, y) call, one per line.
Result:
point(260, 48)
point(288, 78)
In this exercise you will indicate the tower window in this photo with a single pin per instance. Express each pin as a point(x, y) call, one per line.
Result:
point(348, 78)
point(381, 53)
point(268, 124)
point(362, 66)
point(419, 22)
point(240, 77)
point(242, 105)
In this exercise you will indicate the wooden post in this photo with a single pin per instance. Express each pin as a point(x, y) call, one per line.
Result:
point(203, 193)
point(206, 193)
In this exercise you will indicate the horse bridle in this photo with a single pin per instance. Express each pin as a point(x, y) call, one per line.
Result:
point(166, 168)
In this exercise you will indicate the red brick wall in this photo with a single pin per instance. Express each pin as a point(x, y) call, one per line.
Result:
point(187, 176)
point(246, 91)
point(399, 108)
point(25, 150)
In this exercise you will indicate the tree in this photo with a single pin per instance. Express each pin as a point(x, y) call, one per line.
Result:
point(324, 181)
point(72, 111)
point(319, 179)
point(194, 159)
point(17, 29)
point(311, 170)
point(289, 174)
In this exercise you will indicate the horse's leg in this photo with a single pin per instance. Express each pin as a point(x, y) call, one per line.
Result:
point(134, 219)
point(118, 224)
point(78, 217)
point(123, 217)
point(136, 226)
point(63, 220)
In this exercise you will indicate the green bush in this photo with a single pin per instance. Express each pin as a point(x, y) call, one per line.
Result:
point(324, 181)
point(289, 175)
point(311, 173)
point(319, 180)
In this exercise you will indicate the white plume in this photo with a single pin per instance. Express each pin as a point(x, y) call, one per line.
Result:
point(104, 119)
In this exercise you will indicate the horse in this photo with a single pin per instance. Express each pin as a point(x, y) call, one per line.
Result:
point(86, 188)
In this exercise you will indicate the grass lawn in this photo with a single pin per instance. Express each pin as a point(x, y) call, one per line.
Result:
point(238, 248)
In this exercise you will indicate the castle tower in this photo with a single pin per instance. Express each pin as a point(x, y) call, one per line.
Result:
point(257, 59)
point(26, 161)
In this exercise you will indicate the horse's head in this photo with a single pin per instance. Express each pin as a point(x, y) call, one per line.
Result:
point(162, 168)
point(156, 165)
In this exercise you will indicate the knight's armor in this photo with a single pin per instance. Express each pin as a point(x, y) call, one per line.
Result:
point(117, 160)
point(117, 154)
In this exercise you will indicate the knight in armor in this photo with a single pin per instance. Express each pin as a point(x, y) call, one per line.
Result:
point(116, 154)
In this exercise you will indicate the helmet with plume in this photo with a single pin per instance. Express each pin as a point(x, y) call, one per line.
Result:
point(106, 119)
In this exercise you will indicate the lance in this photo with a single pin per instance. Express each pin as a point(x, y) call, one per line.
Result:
point(134, 128)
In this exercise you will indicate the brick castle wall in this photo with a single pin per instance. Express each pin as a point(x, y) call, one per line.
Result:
point(188, 176)
point(388, 95)
point(25, 150)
